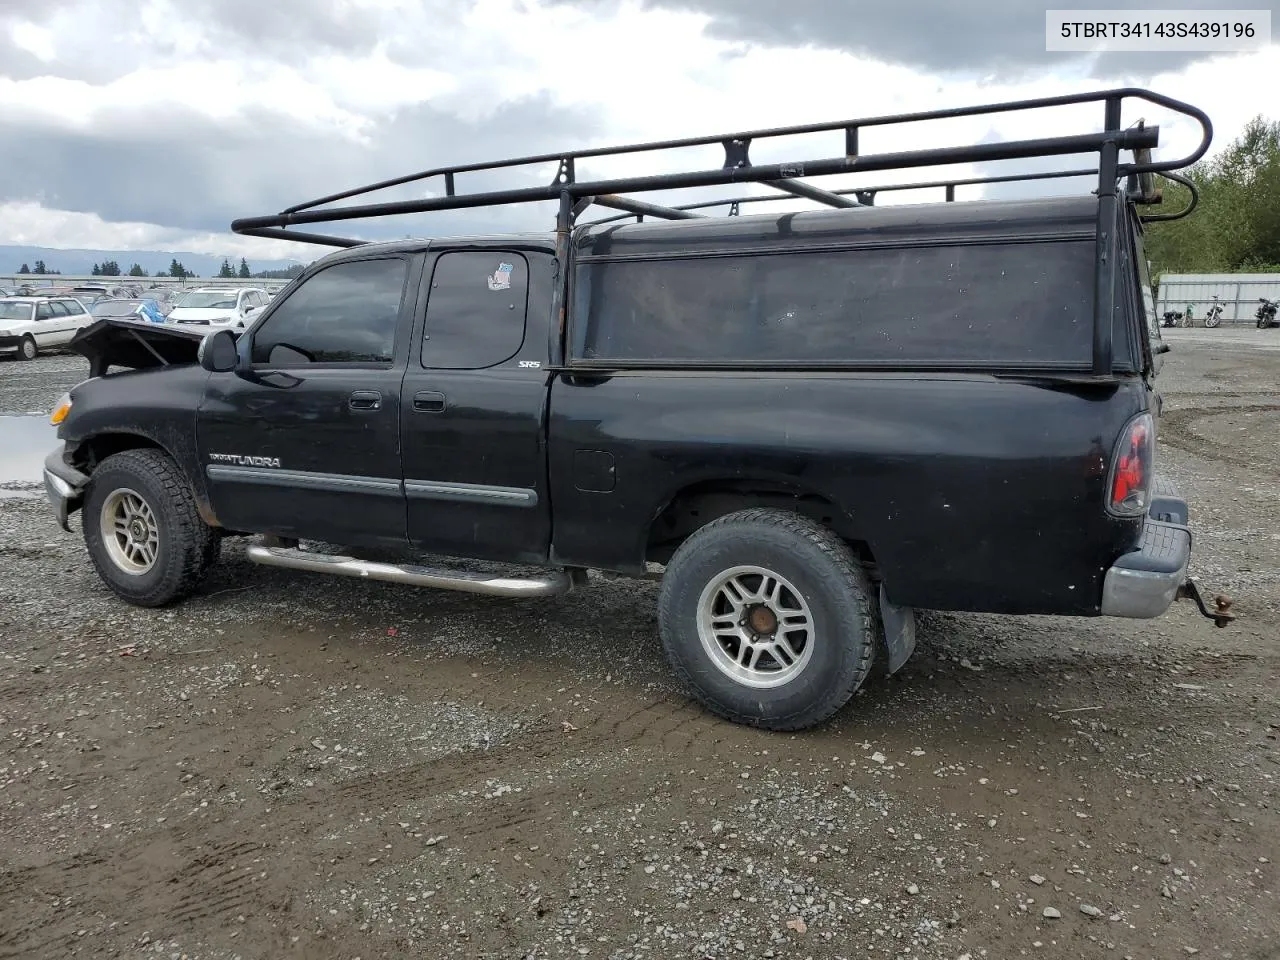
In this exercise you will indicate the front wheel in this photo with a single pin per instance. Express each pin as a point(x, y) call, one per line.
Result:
point(27, 349)
point(1211, 321)
point(142, 529)
point(768, 618)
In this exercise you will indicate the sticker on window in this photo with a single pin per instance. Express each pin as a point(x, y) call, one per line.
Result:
point(500, 279)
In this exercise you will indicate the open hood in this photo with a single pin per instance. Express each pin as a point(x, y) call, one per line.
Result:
point(136, 344)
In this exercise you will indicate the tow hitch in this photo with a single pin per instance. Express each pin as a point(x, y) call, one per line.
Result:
point(1220, 614)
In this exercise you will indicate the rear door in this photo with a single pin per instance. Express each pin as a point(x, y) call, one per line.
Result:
point(473, 409)
point(77, 317)
point(51, 320)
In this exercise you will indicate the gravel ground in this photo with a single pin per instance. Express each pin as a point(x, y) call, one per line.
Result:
point(294, 766)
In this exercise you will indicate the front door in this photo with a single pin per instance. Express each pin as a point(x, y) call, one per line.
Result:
point(473, 410)
point(307, 444)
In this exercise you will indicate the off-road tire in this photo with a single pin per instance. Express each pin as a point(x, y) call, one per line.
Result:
point(826, 573)
point(186, 545)
point(27, 349)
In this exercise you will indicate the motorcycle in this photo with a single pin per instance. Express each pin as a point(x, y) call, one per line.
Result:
point(1266, 314)
point(1171, 318)
point(1214, 316)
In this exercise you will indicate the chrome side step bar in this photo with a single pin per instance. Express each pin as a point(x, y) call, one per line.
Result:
point(549, 584)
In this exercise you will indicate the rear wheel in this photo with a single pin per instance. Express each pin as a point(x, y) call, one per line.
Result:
point(27, 349)
point(143, 531)
point(768, 618)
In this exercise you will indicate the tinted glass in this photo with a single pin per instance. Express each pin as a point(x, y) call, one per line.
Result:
point(997, 303)
point(475, 310)
point(1147, 291)
point(44, 311)
point(59, 308)
point(75, 308)
point(346, 313)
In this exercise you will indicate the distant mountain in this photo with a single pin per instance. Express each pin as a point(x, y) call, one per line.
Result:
point(80, 262)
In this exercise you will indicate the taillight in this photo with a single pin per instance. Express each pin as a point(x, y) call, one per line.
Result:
point(1129, 482)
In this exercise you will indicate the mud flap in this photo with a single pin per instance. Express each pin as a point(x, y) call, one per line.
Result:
point(899, 632)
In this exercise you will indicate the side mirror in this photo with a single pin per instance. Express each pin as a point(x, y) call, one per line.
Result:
point(217, 352)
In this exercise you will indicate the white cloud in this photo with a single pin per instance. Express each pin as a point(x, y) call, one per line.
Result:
point(32, 224)
point(37, 41)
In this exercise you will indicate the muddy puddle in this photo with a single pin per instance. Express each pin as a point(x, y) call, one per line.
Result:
point(24, 443)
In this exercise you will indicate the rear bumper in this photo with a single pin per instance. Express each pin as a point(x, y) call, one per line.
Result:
point(1144, 583)
point(63, 486)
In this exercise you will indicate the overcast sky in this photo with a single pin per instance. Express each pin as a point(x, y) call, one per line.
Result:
point(145, 124)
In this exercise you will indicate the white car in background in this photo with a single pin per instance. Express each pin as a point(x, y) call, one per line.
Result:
point(229, 308)
point(31, 324)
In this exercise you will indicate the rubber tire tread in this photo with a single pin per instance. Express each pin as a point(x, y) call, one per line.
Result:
point(839, 573)
point(185, 539)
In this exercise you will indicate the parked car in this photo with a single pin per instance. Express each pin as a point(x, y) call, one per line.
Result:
point(91, 293)
point(213, 307)
point(814, 423)
point(142, 307)
point(163, 296)
point(31, 324)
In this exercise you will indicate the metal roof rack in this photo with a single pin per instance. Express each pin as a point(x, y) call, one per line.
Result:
point(791, 178)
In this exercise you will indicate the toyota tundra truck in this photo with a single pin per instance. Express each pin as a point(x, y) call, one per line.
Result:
point(810, 422)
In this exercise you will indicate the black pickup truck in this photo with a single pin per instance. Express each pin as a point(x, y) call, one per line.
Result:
point(815, 422)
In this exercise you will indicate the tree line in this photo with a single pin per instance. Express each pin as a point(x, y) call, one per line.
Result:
point(1236, 226)
point(110, 268)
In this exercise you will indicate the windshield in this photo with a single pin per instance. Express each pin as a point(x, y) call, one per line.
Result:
point(116, 308)
point(202, 300)
point(15, 311)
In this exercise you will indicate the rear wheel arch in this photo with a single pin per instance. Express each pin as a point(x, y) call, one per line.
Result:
point(697, 504)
